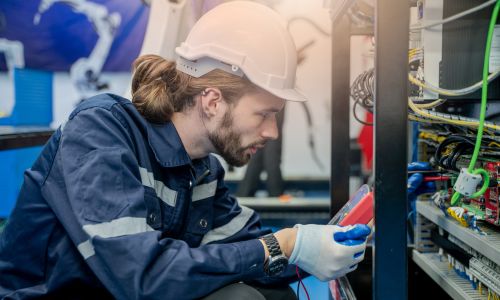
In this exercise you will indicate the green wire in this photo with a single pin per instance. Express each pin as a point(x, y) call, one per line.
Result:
point(484, 98)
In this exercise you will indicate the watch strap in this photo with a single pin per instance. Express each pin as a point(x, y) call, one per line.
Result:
point(272, 245)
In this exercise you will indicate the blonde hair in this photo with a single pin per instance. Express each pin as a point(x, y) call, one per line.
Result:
point(159, 89)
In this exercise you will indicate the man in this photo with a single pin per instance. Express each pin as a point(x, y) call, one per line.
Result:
point(126, 201)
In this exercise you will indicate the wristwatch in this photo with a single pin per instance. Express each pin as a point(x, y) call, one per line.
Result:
point(277, 261)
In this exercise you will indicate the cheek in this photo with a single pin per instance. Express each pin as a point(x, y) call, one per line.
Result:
point(247, 134)
point(248, 126)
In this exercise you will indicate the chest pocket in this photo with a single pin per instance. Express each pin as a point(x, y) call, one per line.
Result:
point(202, 210)
point(160, 201)
point(154, 215)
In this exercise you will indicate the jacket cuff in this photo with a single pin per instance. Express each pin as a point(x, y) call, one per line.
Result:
point(252, 257)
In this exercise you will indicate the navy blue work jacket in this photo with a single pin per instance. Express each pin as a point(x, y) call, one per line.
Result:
point(115, 208)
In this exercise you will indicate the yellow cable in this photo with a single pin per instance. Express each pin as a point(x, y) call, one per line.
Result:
point(441, 91)
point(450, 121)
point(431, 136)
point(454, 215)
point(419, 83)
point(415, 118)
point(430, 105)
point(413, 51)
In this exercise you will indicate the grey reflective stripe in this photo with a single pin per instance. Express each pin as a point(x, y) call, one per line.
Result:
point(204, 191)
point(230, 229)
point(63, 124)
point(162, 191)
point(118, 227)
point(86, 249)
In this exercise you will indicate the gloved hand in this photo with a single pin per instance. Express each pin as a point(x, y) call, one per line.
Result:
point(416, 184)
point(329, 251)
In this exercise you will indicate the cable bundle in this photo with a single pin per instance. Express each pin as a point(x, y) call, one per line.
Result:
point(362, 92)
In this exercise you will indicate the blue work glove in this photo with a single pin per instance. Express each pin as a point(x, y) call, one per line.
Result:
point(416, 185)
point(329, 251)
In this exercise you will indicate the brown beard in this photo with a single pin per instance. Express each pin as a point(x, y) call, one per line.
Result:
point(227, 142)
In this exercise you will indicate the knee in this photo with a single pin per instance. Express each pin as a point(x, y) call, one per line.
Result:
point(236, 291)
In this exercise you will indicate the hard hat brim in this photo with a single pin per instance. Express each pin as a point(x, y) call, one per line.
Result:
point(287, 94)
point(197, 65)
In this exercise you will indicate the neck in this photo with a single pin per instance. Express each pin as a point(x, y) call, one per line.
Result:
point(193, 133)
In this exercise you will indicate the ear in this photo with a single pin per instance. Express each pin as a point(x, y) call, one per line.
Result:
point(211, 102)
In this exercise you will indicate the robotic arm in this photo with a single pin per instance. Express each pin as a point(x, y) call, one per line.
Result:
point(14, 57)
point(163, 31)
point(85, 72)
point(14, 53)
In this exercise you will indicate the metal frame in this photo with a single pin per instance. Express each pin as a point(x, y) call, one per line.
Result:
point(457, 287)
point(19, 137)
point(390, 270)
point(487, 244)
point(339, 182)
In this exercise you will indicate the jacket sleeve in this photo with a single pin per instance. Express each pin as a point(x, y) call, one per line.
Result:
point(95, 190)
point(233, 223)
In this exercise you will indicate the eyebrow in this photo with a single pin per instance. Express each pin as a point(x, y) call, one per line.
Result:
point(274, 110)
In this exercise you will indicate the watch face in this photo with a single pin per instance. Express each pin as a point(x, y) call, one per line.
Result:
point(277, 265)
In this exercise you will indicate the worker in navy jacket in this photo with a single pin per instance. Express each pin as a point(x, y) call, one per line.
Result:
point(126, 201)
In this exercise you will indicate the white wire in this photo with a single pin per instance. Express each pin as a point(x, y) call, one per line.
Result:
point(459, 92)
point(454, 17)
point(459, 118)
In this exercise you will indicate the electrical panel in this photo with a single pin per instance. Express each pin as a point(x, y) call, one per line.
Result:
point(457, 227)
point(454, 103)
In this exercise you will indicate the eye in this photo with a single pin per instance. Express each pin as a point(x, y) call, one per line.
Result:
point(262, 115)
point(267, 114)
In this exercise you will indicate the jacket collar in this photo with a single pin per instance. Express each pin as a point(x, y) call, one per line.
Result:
point(162, 138)
point(167, 145)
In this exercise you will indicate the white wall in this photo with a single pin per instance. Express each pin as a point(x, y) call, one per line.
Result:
point(314, 78)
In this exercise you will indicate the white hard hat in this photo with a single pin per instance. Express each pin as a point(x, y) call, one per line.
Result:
point(243, 38)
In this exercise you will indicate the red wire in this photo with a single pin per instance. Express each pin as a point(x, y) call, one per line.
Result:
point(436, 178)
point(301, 283)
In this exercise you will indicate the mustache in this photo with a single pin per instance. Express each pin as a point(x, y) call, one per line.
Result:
point(258, 143)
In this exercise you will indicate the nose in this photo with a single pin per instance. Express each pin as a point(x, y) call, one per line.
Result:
point(270, 129)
